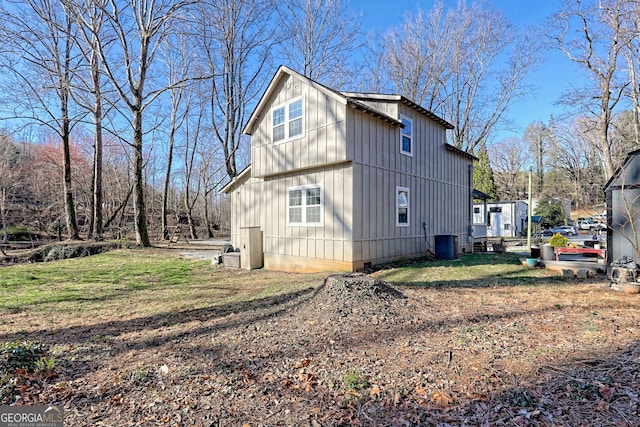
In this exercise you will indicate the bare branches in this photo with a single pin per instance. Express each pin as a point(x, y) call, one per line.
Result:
point(235, 38)
point(320, 39)
point(595, 35)
point(449, 61)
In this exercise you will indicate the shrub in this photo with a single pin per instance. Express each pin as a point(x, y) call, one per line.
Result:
point(22, 355)
point(354, 381)
point(558, 240)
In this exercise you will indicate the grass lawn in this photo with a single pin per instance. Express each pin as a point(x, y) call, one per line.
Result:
point(145, 337)
point(144, 282)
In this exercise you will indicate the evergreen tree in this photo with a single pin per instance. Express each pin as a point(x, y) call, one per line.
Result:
point(483, 174)
point(551, 211)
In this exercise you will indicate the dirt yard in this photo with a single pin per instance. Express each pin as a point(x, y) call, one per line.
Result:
point(354, 351)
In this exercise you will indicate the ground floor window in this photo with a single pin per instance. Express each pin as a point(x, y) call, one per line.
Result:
point(402, 207)
point(304, 205)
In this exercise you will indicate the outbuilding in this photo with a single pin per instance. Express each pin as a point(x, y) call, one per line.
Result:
point(623, 210)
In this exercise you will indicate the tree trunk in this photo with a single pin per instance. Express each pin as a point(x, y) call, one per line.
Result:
point(139, 211)
point(97, 161)
point(207, 220)
point(188, 207)
point(3, 215)
point(70, 211)
point(167, 184)
point(605, 122)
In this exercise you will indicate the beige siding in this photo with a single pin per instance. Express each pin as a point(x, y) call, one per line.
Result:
point(332, 240)
point(247, 200)
point(323, 138)
point(438, 182)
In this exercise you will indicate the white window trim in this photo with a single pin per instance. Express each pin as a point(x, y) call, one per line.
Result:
point(304, 222)
point(286, 106)
point(407, 153)
point(398, 190)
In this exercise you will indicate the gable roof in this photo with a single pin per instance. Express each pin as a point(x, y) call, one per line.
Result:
point(241, 177)
point(352, 99)
point(463, 153)
point(402, 100)
point(620, 169)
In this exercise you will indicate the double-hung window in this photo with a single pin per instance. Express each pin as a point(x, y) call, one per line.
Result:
point(406, 136)
point(304, 205)
point(288, 120)
point(402, 207)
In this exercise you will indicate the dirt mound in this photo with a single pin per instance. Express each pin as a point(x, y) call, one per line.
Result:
point(360, 287)
point(358, 297)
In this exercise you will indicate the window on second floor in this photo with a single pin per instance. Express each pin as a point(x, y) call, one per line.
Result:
point(288, 120)
point(402, 207)
point(406, 136)
point(304, 205)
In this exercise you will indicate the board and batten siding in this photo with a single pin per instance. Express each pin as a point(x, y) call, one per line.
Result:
point(328, 246)
point(323, 139)
point(247, 200)
point(438, 181)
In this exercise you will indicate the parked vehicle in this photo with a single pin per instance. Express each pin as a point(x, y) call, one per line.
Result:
point(565, 230)
point(591, 224)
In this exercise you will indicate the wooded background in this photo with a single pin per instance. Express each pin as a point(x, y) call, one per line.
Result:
point(121, 118)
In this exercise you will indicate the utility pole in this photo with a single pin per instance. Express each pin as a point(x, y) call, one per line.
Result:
point(529, 212)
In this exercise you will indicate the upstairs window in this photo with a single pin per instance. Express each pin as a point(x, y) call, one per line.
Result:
point(406, 136)
point(402, 207)
point(305, 206)
point(288, 120)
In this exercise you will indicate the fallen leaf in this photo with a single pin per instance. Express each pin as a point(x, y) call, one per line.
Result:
point(420, 391)
point(607, 393)
point(441, 398)
point(375, 392)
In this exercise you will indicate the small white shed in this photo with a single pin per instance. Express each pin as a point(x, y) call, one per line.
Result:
point(503, 219)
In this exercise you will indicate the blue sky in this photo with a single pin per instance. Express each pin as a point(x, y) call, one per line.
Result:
point(550, 79)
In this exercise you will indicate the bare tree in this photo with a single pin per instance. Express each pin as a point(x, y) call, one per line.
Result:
point(42, 64)
point(320, 38)
point(594, 34)
point(235, 37)
point(11, 175)
point(467, 64)
point(89, 15)
point(508, 158)
point(416, 58)
point(211, 176)
point(140, 27)
point(632, 56)
point(192, 182)
point(537, 135)
point(178, 56)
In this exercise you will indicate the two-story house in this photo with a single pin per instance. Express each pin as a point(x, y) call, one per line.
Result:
point(339, 181)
